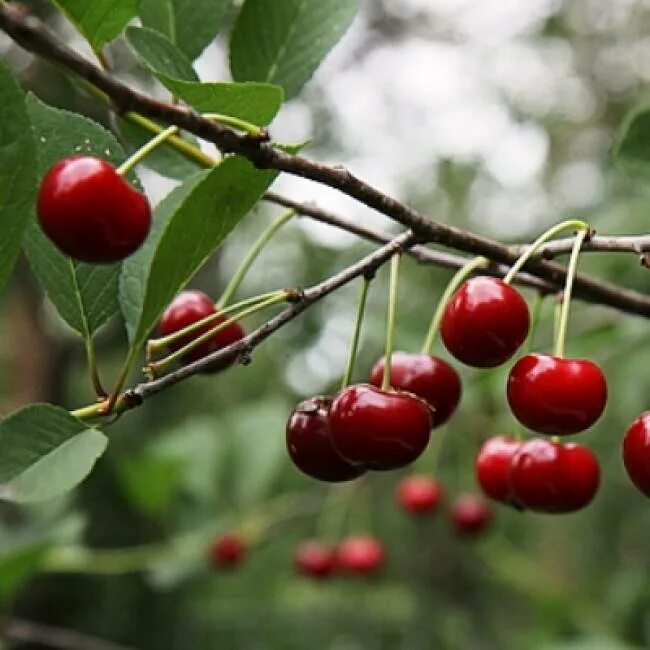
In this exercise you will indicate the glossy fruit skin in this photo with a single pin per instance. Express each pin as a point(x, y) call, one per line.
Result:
point(556, 396)
point(485, 322)
point(554, 477)
point(189, 307)
point(90, 212)
point(360, 554)
point(636, 452)
point(419, 494)
point(310, 445)
point(315, 560)
point(493, 465)
point(228, 551)
point(428, 377)
point(378, 429)
point(471, 515)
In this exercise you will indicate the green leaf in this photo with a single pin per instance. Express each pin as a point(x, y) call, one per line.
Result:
point(17, 172)
point(99, 21)
point(632, 144)
point(189, 24)
point(284, 42)
point(44, 452)
point(17, 565)
point(85, 295)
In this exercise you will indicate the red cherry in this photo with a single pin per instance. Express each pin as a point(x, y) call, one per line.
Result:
point(378, 429)
point(90, 212)
point(471, 514)
point(228, 551)
point(485, 322)
point(419, 494)
point(428, 377)
point(636, 452)
point(361, 554)
point(315, 560)
point(556, 396)
point(189, 307)
point(310, 445)
point(493, 467)
point(552, 477)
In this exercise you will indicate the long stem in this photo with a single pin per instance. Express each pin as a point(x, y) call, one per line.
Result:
point(454, 283)
point(354, 346)
point(93, 369)
point(252, 255)
point(121, 380)
point(236, 123)
point(566, 299)
point(390, 321)
point(145, 150)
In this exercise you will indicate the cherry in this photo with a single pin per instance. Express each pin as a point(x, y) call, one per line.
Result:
point(379, 429)
point(419, 494)
point(428, 377)
point(485, 322)
point(493, 468)
point(636, 452)
point(90, 212)
point(470, 514)
point(553, 477)
point(310, 445)
point(361, 554)
point(556, 396)
point(227, 551)
point(189, 307)
point(315, 560)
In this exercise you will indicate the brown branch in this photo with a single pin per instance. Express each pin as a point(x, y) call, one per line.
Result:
point(636, 244)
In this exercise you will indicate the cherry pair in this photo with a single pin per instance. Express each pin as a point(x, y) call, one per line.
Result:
point(227, 551)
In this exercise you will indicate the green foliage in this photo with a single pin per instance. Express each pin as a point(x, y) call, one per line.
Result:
point(19, 564)
point(632, 143)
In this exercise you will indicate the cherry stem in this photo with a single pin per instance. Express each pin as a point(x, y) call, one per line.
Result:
point(94, 370)
point(354, 346)
point(145, 150)
point(557, 311)
point(390, 321)
point(534, 321)
point(571, 224)
point(331, 519)
point(235, 122)
point(454, 283)
point(109, 406)
point(435, 448)
point(568, 288)
point(251, 256)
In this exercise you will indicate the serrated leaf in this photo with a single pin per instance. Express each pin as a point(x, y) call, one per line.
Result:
point(44, 452)
point(100, 21)
point(632, 144)
point(189, 24)
point(17, 172)
point(284, 42)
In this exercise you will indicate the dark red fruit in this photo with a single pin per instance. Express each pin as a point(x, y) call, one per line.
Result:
point(428, 377)
point(90, 212)
point(189, 307)
point(493, 467)
point(471, 514)
point(378, 429)
point(315, 560)
point(228, 551)
point(485, 322)
point(360, 554)
point(552, 477)
point(310, 445)
point(556, 396)
point(636, 452)
point(419, 494)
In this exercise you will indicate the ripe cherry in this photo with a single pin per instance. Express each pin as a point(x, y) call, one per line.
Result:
point(379, 429)
point(636, 452)
point(315, 560)
point(556, 396)
point(90, 212)
point(310, 445)
point(470, 514)
point(493, 468)
point(485, 322)
point(428, 377)
point(553, 477)
point(419, 494)
point(360, 554)
point(228, 551)
point(189, 307)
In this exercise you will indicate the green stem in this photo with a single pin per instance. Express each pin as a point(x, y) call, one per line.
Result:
point(435, 449)
point(390, 321)
point(121, 380)
point(454, 283)
point(571, 224)
point(93, 369)
point(145, 150)
point(354, 346)
point(557, 311)
point(236, 123)
point(252, 255)
point(90, 412)
point(568, 288)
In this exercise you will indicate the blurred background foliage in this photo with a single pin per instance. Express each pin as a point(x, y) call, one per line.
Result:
point(494, 116)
